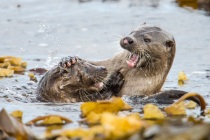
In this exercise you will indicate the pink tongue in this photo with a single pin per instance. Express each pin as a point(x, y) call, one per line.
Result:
point(132, 62)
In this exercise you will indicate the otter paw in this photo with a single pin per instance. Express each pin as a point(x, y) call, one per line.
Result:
point(67, 62)
point(115, 83)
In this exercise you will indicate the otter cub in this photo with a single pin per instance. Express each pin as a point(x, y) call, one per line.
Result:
point(75, 80)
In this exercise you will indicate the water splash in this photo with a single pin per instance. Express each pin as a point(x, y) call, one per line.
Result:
point(52, 59)
point(51, 41)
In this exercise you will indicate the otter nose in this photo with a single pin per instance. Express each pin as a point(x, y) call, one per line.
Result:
point(127, 41)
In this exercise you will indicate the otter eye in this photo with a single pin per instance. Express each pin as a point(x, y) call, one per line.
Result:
point(147, 40)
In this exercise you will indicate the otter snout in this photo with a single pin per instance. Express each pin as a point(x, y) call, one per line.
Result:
point(126, 42)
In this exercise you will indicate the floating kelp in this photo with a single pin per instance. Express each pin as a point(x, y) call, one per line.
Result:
point(10, 64)
point(6, 72)
point(32, 77)
point(190, 105)
point(182, 77)
point(152, 112)
point(178, 109)
point(114, 105)
point(17, 114)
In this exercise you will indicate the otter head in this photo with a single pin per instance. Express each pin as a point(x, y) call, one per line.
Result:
point(83, 76)
point(150, 48)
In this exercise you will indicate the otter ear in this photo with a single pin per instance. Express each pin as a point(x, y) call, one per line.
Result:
point(169, 43)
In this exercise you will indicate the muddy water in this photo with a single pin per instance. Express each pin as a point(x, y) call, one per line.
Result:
point(41, 32)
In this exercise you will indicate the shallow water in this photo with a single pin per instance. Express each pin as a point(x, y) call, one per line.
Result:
point(42, 32)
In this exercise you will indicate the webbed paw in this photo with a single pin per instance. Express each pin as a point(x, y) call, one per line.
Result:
point(115, 83)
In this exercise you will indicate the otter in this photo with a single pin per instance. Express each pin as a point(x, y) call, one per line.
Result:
point(140, 69)
point(75, 80)
point(145, 61)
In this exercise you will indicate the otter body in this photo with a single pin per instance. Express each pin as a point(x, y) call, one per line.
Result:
point(145, 62)
point(66, 81)
point(75, 80)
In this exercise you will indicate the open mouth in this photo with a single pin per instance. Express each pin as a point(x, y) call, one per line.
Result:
point(132, 60)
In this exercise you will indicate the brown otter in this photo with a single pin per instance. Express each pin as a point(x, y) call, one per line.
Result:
point(75, 80)
point(145, 62)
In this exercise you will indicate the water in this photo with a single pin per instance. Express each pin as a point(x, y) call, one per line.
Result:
point(42, 32)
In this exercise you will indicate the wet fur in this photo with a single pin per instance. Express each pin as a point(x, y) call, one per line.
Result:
point(74, 84)
point(157, 58)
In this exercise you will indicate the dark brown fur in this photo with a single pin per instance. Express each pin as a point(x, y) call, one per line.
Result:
point(68, 83)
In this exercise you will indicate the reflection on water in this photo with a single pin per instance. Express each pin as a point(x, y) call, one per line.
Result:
point(196, 4)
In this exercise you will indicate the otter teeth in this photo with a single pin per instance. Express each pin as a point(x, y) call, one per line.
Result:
point(132, 60)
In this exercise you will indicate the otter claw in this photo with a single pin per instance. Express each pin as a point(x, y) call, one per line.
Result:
point(67, 62)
